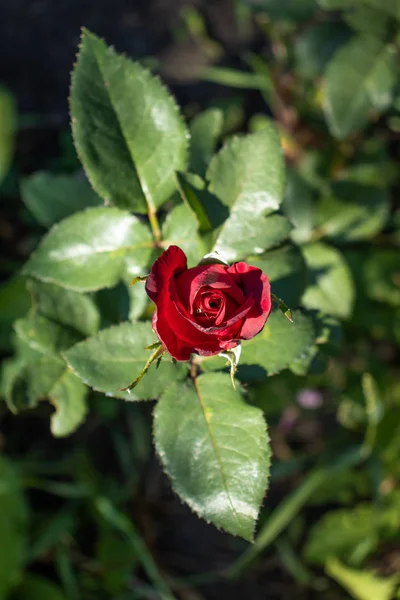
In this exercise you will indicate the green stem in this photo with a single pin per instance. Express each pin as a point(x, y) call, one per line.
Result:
point(283, 307)
point(154, 224)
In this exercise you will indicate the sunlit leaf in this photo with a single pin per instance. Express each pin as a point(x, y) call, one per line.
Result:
point(215, 449)
point(127, 128)
point(114, 358)
point(91, 250)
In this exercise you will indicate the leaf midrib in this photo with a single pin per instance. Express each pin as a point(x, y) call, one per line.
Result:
point(216, 451)
point(150, 204)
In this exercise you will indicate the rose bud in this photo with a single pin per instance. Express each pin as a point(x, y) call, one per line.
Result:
point(207, 309)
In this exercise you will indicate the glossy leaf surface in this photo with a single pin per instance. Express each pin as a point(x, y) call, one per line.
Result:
point(215, 449)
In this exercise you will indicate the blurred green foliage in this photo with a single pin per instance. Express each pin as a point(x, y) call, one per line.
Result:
point(75, 521)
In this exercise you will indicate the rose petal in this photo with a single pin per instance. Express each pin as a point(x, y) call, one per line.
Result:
point(171, 262)
point(191, 281)
point(256, 284)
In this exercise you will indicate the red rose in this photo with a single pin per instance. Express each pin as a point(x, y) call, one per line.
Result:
point(206, 309)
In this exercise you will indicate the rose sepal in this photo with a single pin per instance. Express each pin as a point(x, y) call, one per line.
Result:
point(137, 279)
point(233, 356)
point(159, 351)
point(283, 307)
point(213, 258)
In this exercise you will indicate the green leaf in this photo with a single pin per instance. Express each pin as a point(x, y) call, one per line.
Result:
point(8, 128)
point(246, 232)
point(113, 358)
point(366, 20)
point(91, 250)
point(348, 534)
point(274, 349)
point(382, 276)
point(11, 369)
point(66, 307)
point(205, 129)
point(13, 527)
point(380, 174)
point(279, 344)
point(180, 229)
point(286, 511)
point(389, 7)
point(327, 342)
point(352, 212)
point(331, 288)
point(138, 300)
point(127, 129)
point(315, 46)
point(286, 271)
point(45, 336)
point(69, 398)
point(47, 378)
point(14, 303)
point(51, 198)
point(208, 209)
point(235, 78)
point(286, 10)
point(362, 585)
point(247, 173)
point(298, 206)
point(35, 588)
point(247, 176)
point(215, 449)
point(360, 78)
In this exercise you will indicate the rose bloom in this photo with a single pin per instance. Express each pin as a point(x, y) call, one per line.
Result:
point(207, 309)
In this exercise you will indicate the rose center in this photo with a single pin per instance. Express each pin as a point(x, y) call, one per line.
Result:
point(208, 305)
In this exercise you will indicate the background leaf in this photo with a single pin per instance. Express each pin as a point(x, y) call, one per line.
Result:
point(127, 128)
point(330, 288)
point(286, 271)
point(69, 398)
point(91, 250)
point(360, 78)
point(66, 307)
point(51, 198)
point(205, 130)
point(346, 534)
point(14, 303)
point(180, 229)
point(13, 526)
point(208, 209)
point(352, 212)
point(8, 128)
point(210, 442)
point(362, 585)
point(34, 587)
point(381, 273)
point(298, 206)
point(45, 336)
